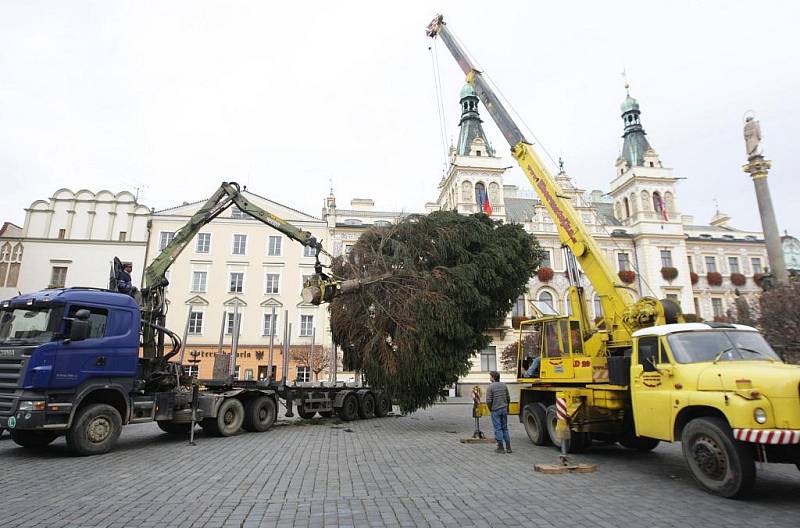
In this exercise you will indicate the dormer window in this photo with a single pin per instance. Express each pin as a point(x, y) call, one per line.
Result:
point(477, 152)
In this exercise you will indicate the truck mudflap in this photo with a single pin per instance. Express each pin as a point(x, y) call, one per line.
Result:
point(768, 436)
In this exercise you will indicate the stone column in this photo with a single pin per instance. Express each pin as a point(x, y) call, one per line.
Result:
point(757, 167)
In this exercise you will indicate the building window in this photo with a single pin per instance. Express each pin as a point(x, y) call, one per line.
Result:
point(598, 307)
point(203, 243)
point(303, 374)
point(272, 283)
point(673, 297)
point(191, 370)
point(309, 251)
point(58, 277)
point(348, 248)
point(62, 234)
point(733, 264)
point(488, 359)
point(518, 310)
point(165, 238)
point(697, 306)
point(237, 213)
point(546, 298)
point(199, 281)
point(248, 374)
point(10, 262)
point(756, 263)
point(567, 304)
point(236, 372)
point(547, 261)
point(196, 323)
point(691, 263)
point(270, 324)
point(666, 258)
point(236, 283)
point(306, 325)
point(239, 244)
point(123, 236)
point(716, 305)
point(711, 264)
point(274, 246)
point(229, 322)
point(623, 262)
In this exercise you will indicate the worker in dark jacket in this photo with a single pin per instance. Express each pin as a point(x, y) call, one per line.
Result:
point(497, 400)
point(124, 282)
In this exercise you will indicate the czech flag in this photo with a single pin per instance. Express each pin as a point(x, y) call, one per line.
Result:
point(483, 200)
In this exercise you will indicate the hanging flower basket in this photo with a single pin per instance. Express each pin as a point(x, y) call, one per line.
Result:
point(516, 320)
point(545, 274)
point(627, 276)
point(694, 277)
point(738, 279)
point(714, 278)
point(669, 273)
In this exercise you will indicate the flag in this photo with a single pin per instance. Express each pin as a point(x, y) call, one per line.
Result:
point(483, 200)
point(660, 207)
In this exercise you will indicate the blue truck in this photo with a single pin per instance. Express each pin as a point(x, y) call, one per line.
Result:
point(83, 362)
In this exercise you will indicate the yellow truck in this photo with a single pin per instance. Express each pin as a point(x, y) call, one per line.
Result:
point(642, 374)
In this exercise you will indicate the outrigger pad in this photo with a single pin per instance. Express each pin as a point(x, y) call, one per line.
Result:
point(553, 469)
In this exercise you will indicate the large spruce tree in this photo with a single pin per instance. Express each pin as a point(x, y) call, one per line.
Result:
point(446, 279)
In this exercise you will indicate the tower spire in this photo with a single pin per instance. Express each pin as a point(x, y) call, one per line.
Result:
point(635, 144)
point(470, 124)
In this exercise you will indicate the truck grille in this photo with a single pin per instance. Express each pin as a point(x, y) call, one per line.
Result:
point(10, 371)
point(8, 402)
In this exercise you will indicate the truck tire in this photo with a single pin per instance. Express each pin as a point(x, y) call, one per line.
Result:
point(173, 428)
point(534, 419)
point(229, 420)
point(326, 414)
point(95, 430)
point(718, 463)
point(349, 409)
point(305, 415)
point(259, 414)
point(576, 443)
point(383, 404)
point(366, 407)
point(33, 439)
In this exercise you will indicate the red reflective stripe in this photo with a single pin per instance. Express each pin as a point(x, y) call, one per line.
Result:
point(753, 435)
point(768, 439)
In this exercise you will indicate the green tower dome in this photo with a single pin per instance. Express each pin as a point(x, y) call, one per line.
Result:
point(629, 104)
point(467, 91)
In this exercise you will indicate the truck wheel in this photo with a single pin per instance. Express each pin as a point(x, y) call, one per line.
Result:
point(259, 414)
point(383, 404)
point(33, 439)
point(94, 430)
point(366, 409)
point(533, 417)
point(228, 421)
point(576, 443)
point(173, 428)
point(306, 415)
point(326, 414)
point(639, 443)
point(349, 409)
point(718, 463)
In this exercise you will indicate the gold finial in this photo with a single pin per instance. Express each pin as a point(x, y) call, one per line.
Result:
point(627, 84)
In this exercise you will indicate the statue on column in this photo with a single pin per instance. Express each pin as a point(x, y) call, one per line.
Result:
point(752, 137)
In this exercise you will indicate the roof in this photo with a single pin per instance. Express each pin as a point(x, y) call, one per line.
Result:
point(606, 212)
point(63, 295)
point(661, 330)
point(520, 210)
point(187, 209)
point(10, 229)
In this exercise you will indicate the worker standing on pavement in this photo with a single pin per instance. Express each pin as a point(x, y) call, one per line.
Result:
point(497, 400)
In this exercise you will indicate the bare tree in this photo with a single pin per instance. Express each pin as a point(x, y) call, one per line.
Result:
point(318, 358)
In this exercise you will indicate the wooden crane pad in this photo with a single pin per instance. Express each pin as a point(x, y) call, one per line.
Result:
point(552, 469)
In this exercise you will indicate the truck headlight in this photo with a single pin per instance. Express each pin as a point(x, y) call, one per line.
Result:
point(32, 405)
point(760, 415)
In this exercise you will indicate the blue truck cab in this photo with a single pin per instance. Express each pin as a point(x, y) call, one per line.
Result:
point(61, 350)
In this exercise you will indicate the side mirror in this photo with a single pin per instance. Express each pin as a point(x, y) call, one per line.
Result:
point(82, 314)
point(79, 330)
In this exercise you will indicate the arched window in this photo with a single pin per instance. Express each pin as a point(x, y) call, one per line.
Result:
point(634, 204)
point(658, 203)
point(567, 304)
point(598, 307)
point(669, 202)
point(627, 208)
point(547, 298)
point(646, 201)
point(618, 211)
point(466, 191)
point(480, 192)
point(518, 310)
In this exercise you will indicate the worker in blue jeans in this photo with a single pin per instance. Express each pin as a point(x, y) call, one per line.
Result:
point(497, 400)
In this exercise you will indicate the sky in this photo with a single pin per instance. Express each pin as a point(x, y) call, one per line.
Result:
point(171, 98)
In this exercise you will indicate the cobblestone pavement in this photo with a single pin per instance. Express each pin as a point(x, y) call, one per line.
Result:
point(395, 471)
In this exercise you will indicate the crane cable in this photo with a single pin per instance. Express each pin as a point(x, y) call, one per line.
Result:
point(437, 88)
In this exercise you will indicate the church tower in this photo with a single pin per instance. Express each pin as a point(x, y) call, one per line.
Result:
point(474, 180)
point(645, 203)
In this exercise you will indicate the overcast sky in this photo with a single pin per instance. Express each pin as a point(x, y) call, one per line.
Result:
point(175, 97)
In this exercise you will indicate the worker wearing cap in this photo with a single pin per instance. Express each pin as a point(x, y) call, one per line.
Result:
point(124, 282)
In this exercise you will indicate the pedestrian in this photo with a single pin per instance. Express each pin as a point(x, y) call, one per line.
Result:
point(497, 400)
point(124, 282)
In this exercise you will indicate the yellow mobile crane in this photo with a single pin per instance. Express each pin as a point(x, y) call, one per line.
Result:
point(643, 375)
